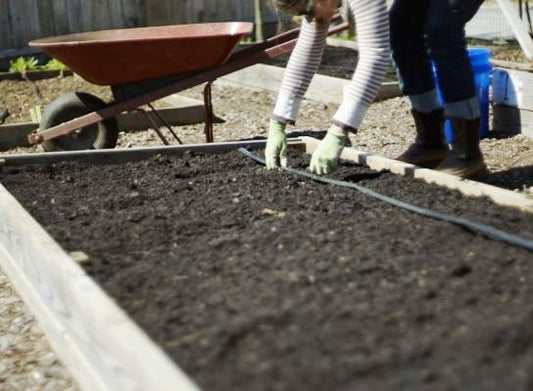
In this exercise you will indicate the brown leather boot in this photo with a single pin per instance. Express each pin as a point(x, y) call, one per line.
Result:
point(465, 159)
point(429, 147)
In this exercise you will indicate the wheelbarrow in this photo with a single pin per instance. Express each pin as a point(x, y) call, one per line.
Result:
point(142, 65)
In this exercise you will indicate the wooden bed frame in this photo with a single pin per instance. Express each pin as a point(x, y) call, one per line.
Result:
point(102, 347)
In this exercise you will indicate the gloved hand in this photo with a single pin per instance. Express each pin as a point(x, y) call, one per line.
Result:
point(276, 146)
point(326, 156)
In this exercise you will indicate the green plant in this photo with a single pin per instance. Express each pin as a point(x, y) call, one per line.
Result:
point(23, 65)
point(55, 65)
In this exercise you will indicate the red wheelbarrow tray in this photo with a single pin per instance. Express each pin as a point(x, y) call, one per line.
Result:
point(120, 56)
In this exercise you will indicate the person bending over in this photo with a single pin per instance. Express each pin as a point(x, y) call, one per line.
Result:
point(372, 29)
point(423, 31)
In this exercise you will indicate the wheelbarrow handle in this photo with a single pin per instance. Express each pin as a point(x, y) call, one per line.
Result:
point(280, 39)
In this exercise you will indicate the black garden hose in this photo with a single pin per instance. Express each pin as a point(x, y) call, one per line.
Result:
point(473, 226)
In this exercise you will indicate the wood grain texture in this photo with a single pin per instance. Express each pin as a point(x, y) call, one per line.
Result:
point(108, 156)
point(100, 345)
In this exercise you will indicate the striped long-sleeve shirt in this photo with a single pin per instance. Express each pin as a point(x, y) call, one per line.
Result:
point(372, 29)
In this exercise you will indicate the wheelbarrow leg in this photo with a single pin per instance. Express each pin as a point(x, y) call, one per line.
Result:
point(164, 122)
point(154, 125)
point(208, 113)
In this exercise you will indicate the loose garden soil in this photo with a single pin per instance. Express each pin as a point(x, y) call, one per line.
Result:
point(393, 299)
point(259, 280)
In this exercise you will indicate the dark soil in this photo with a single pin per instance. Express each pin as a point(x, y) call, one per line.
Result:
point(258, 280)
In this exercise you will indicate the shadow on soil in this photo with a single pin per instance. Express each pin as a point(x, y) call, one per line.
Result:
point(514, 178)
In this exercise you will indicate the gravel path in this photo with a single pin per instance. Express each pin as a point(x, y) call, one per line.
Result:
point(26, 360)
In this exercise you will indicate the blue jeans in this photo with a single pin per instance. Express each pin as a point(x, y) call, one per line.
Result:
point(433, 30)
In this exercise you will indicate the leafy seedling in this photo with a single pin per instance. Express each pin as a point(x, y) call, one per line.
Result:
point(23, 65)
point(55, 65)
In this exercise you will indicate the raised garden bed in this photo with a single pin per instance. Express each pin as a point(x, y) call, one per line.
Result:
point(251, 279)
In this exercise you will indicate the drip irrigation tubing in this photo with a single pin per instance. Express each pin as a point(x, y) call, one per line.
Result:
point(473, 226)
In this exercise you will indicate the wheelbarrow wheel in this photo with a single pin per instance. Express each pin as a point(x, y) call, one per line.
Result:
point(100, 135)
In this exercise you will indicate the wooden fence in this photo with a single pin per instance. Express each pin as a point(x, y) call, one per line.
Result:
point(24, 20)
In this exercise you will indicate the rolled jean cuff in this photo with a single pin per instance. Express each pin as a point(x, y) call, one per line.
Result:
point(425, 102)
point(464, 109)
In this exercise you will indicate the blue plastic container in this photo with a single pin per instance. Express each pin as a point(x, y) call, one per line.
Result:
point(480, 60)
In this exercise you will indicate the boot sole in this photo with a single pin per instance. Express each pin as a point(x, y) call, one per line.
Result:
point(467, 174)
point(423, 163)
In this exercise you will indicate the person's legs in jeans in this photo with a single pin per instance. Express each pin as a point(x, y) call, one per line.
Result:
point(425, 30)
point(410, 55)
point(446, 42)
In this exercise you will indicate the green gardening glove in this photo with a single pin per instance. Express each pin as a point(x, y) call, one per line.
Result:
point(326, 156)
point(276, 146)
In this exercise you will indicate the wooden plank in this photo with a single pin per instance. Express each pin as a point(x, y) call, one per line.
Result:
point(176, 116)
point(17, 22)
point(158, 12)
point(133, 13)
point(519, 28)
point(61, 19)
point(342, 43)
point(6, 32)
point(14, 135)
point(189, 112)
point(512, 88)
point(114, 11)
point(465, 186)
point(512, 120)
point(32, 25)
point(520, 66)
point(199, 11)
point(322, 88)
point(75, 16)
point(88, 20)
point(113, 156)
point(46, 18)
point(95, 339)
